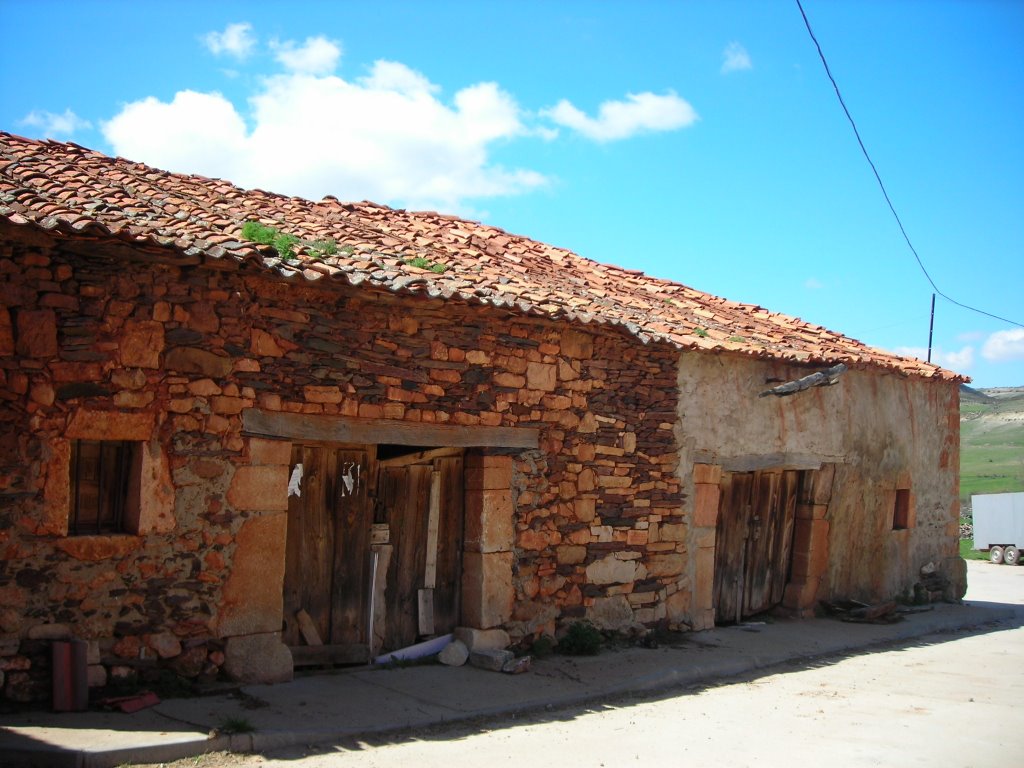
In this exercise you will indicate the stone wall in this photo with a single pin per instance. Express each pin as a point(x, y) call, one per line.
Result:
point(872, 433)
point(101, 346)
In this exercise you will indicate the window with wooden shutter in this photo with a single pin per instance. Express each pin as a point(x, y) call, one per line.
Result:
point(101, 483)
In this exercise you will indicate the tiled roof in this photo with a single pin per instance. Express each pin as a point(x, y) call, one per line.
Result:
point(73, 191)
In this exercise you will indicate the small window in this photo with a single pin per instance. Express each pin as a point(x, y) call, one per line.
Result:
point(101, 486)
point(901, 510)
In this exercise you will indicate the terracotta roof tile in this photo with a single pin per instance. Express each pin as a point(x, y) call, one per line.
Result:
point(73, 191)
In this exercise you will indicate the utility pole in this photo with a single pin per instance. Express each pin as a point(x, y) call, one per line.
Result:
point(931, 327)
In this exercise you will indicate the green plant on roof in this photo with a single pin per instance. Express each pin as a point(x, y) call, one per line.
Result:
point(258, 233)
point(736, 338)
point(286, 244)
point(322, 248)
point(422, 263)
point(702, 332)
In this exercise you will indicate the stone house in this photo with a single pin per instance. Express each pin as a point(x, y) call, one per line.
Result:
point(220, 456)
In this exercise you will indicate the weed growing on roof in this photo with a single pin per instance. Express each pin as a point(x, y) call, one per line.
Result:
point(736, 338)
point(322, 248)
point(285, 244)
point(702, 332)
point(421, 263)
point(257, 233)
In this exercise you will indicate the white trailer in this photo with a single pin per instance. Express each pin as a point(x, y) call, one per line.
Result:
point(999, 526)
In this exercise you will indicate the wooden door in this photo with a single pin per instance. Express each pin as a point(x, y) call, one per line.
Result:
point(328, 546)
point(754, 537)
point(423, 505)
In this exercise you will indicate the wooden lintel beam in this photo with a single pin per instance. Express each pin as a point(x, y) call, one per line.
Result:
point(346, 429)
point(419, 457)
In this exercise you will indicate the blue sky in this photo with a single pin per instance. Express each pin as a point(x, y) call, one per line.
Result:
point(700, 142)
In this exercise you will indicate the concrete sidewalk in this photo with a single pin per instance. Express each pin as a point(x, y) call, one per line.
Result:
point(325, 707)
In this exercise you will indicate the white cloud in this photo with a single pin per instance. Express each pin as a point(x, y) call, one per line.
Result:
point(639, 113)
point(735, 59)
point(959, 361)
point(316, 56)
point(236, 40)
point(395, 76)
point(813, 283)
point(53, 124)
point(1004, 346)
point(195, 132)
point(387, 137)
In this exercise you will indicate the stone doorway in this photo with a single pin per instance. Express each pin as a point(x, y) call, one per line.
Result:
point(374, 549)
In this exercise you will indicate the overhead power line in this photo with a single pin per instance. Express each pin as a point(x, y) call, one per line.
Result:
point(881, 186)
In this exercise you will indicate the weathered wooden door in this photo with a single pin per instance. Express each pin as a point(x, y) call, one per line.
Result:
point(327, 549)
point(754, 541)
point(423, 507)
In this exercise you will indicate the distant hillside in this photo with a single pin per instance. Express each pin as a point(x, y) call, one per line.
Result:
point(971, 395)
point(991, 440)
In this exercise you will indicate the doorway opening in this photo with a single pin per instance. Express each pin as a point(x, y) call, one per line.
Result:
point(374, 549)
point(754, 541)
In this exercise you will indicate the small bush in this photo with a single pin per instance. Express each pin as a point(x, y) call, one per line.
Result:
point(322, 248)
point(581, 639)
point(285, 245)
point(257, 233)
point(542, 647)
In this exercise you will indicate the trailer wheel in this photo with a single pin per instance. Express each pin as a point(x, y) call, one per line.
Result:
point(995, 554)
point(1011, 555)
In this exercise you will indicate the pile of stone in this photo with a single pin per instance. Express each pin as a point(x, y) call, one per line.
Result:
point(483, 648)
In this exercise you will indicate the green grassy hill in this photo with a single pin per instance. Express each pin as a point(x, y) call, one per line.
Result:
point(991, 441)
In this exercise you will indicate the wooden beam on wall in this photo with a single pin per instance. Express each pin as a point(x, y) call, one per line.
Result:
point(345, 429)
point(419, 457)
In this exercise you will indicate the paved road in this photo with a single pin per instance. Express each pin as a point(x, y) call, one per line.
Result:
point(945, 700)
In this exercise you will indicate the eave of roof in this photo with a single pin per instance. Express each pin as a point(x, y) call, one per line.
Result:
point(75, 192)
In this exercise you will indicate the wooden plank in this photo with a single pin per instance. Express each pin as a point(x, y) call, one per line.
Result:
point(425, 611)
point(351, 515)
point(326, 655)
point(307, 628)
point(760, 461)
point(760, 542)
point(418, 457)
point(344, 429)
point(448, 583)
point(378, 604)
point(309, 547)
point(433, 518)
point(406, 494)
point(730, 544)
point(791, 482)
point(318, 546)
point(292, 590)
